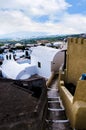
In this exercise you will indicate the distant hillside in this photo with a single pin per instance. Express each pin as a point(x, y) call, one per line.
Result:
point(32, 40)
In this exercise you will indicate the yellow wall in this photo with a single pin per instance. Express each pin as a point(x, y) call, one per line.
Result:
point(75, 106)
point(76, 59)
point(80, 93)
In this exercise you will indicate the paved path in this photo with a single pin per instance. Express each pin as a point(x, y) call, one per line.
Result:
point(56, 118)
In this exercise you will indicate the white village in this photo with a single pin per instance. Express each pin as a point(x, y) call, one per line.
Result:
point(43, 61)
point(42, 86)
point(42, 64)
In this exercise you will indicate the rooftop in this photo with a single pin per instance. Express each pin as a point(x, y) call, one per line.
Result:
point(19, 100)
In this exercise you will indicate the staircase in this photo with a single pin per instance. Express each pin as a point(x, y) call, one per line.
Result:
point(56, 118)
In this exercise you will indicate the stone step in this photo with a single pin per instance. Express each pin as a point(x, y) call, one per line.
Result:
point(57, 121)
point(56, 115)
point(52, 93)
point(53, 101)
point(56, 118)
point(55, 109)
point(53, 98)
point(52, 89)
point(58, 125)
point(54, 105)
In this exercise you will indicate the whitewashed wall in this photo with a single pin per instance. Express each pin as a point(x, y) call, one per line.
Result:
point(45, 69)
point(50, 59)
point(58, 60)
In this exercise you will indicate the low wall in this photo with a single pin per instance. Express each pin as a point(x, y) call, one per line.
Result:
point(75, 106)
point(67, 100)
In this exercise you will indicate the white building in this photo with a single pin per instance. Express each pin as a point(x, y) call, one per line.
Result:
point(18, 45)
point(19, 54)
point(11, 69)
point(47, 60)
point(44, 61)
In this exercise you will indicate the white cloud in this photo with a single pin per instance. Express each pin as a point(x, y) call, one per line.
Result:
point(36, 7)
point(48, 7)
point(12, 19)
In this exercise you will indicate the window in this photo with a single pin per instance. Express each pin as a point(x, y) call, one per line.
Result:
point(39, 64)
point(10, 56)
point(7, 57)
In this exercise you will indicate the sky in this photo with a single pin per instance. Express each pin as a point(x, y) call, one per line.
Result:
point(51, 17)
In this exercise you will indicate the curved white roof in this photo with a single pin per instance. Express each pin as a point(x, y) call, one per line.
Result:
point(18, 44)
point(11, 69)
point(45, 52)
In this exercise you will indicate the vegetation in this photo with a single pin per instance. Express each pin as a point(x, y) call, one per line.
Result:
point(1, 51)
point(1, 44)
point(34, 40)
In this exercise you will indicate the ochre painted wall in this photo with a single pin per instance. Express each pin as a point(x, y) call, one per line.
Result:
point(76, 59)
point(75, 106)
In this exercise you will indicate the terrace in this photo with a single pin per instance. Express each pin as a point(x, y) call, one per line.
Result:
point(23, 104)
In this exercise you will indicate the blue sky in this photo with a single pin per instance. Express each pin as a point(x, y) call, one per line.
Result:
point(49, 17)
point(77, 6)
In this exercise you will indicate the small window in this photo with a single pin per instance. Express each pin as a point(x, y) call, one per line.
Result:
point(39, 64)
point(7, 57)
point(10, 56)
